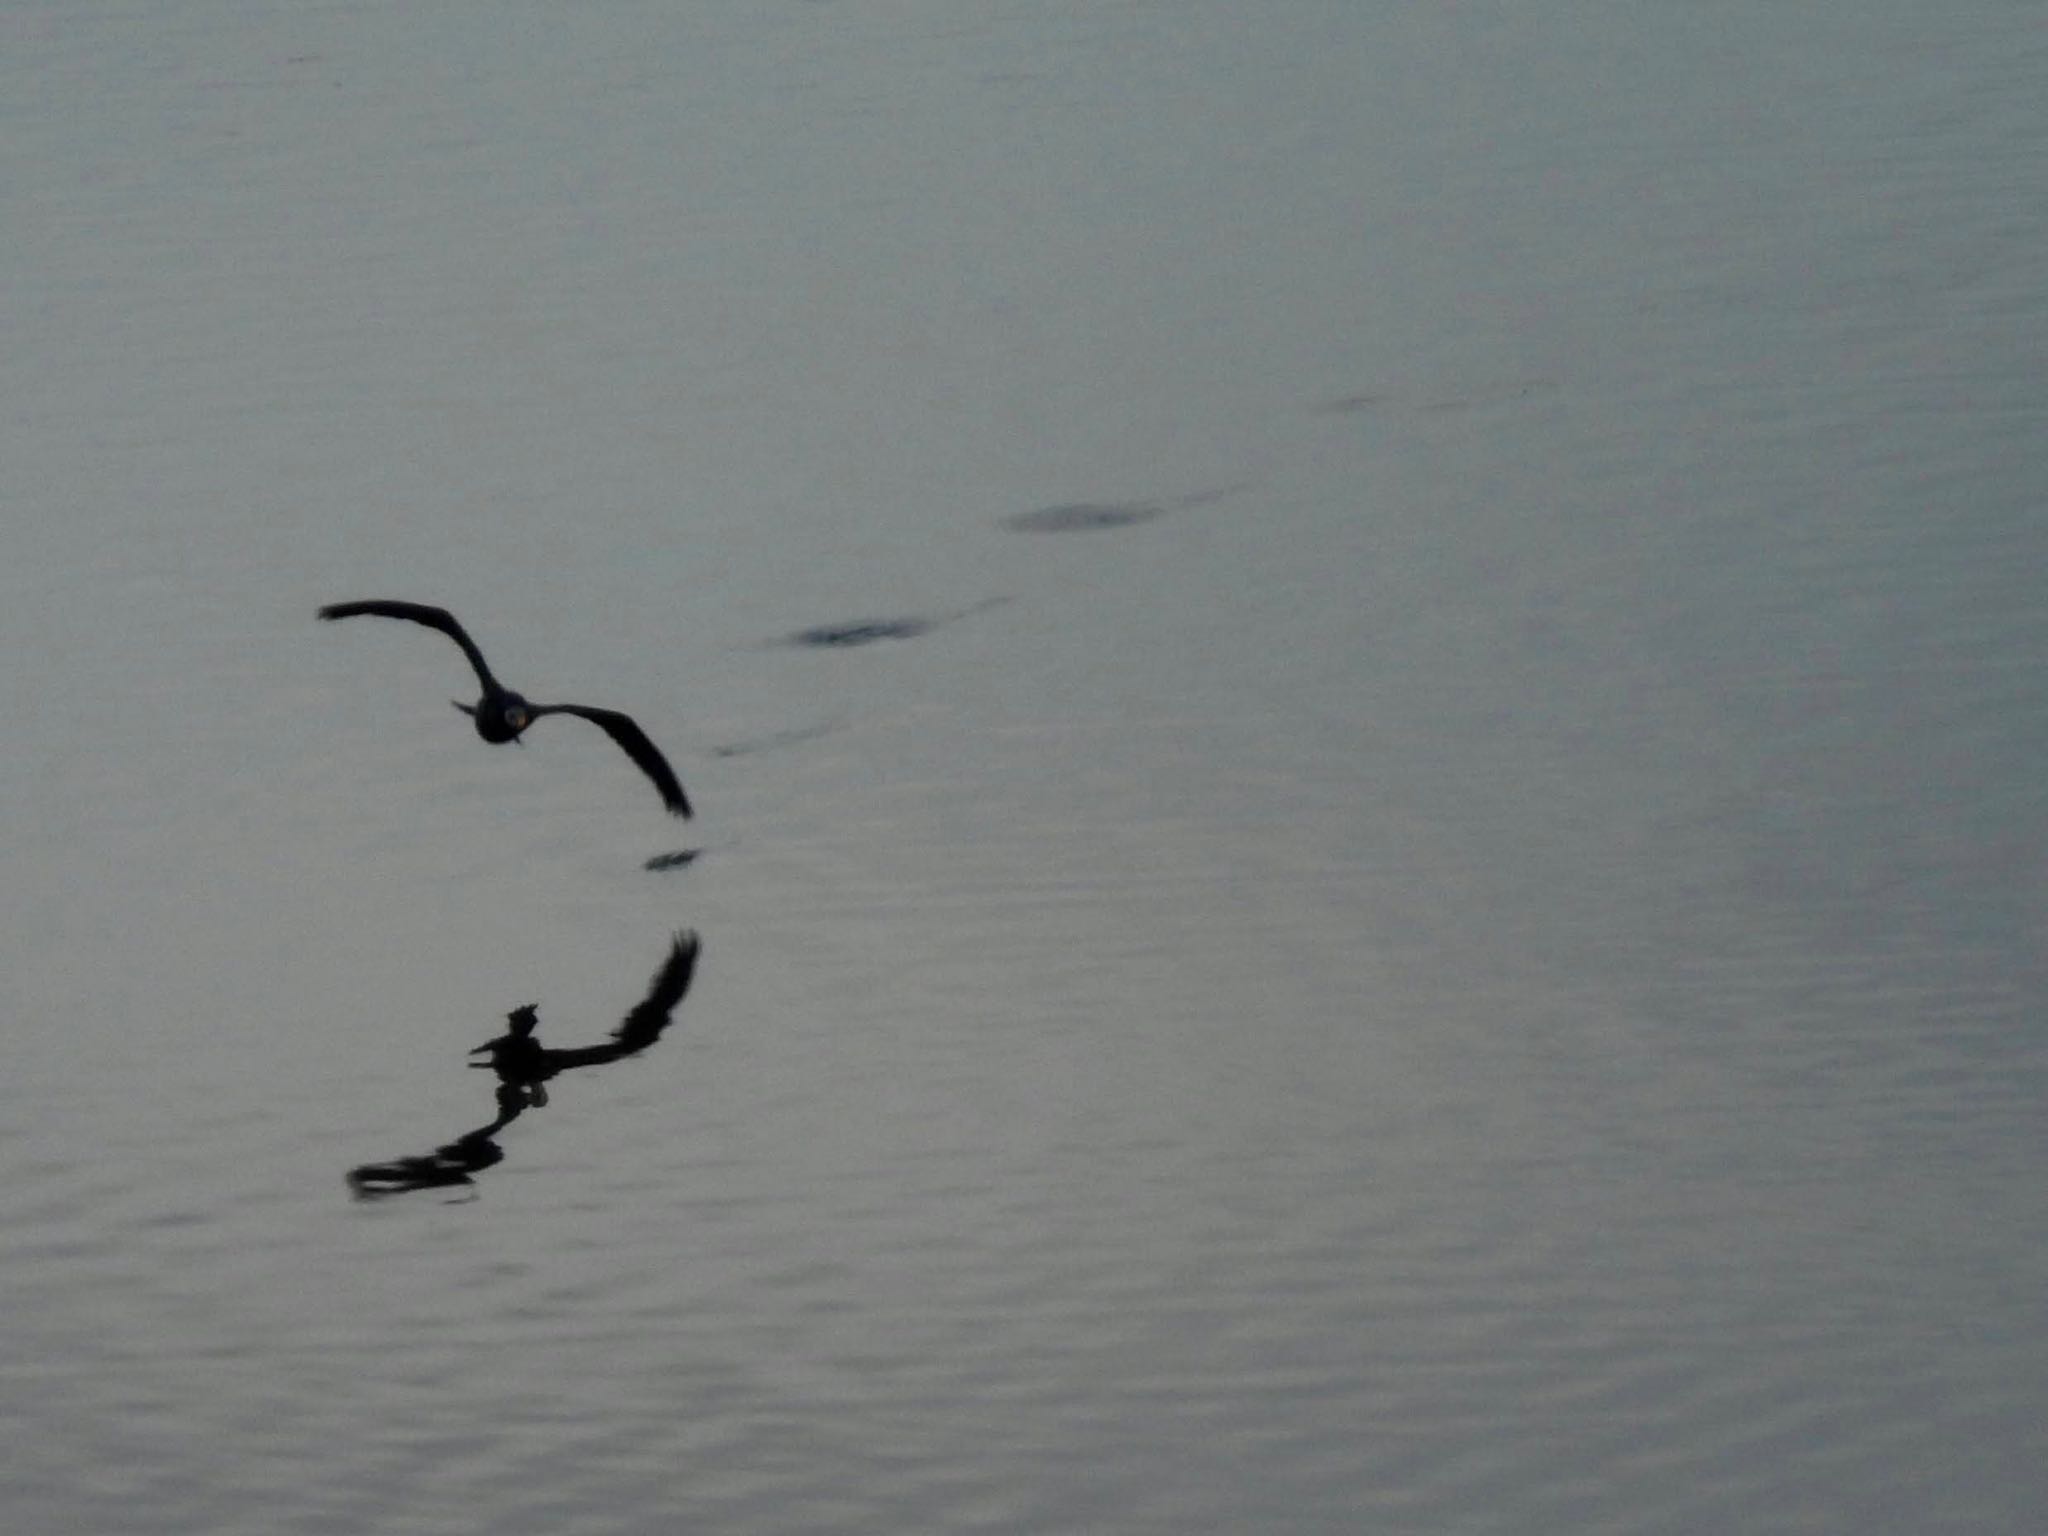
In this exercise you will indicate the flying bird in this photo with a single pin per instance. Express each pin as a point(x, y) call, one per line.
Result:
point(502, 715)
point(524, 1065)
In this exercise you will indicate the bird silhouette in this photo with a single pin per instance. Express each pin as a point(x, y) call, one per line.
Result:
point(524, 1065)
point(502, 715)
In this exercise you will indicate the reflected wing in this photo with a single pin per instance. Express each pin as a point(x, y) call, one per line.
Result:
point(623, 730)
point(419, 613)
point(643, 1026)
point(439, 1169)
point(583, 1056)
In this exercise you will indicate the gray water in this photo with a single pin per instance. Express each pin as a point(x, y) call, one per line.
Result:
point(1425, 912)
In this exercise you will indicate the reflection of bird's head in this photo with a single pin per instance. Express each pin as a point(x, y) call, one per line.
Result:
point(523, 1020)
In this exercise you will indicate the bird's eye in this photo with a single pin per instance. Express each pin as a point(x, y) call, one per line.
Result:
point(516, 718)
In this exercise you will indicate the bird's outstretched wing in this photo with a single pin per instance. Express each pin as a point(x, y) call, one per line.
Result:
point(419, 613)
point(643, 1026)
point(629, 736)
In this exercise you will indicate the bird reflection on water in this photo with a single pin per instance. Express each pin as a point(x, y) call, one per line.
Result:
point(444, 1167)
point(523, 1063)
point(524, 1066)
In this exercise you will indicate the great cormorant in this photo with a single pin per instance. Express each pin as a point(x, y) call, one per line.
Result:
point(502, 715)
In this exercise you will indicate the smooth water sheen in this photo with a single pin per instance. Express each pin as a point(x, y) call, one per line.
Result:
point(1400, 887)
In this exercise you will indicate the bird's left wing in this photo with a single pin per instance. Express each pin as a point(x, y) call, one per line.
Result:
point(633, 740)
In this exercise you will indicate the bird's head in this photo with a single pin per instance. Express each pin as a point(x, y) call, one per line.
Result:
point(499, 717)
point(522, 1019)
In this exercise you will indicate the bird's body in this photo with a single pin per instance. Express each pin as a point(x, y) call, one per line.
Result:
point(502, 715)
point(524, 1065)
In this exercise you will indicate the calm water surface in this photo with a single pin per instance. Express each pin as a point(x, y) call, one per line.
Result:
point(1410, 897)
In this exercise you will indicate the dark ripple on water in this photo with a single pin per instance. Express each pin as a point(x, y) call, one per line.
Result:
point(768, 743)
point(859, 632)
point(1081, 516)
point(853, 633)
point(1090, 516)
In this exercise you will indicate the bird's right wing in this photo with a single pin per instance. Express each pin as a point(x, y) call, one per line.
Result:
point(643, 1026)
point(627, 733)
point(418, 613)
